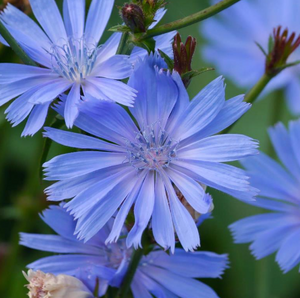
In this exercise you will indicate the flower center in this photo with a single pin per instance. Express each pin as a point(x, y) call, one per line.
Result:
point(152, 150)
point(74, 60)
point(116, 252)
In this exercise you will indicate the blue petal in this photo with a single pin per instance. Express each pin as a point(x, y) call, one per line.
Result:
point(197, 264)
point(86, 200)
point(112, 90)
point(98, 16)
point(11, 72)
point(94, 220)
point(271, 178)
point(220, 148)
point(183, 222)
point(223, 177)
point(294, 127)
point(56, 244)
point(162, 225)
point(283, 145)
point(25, 25)
point(288, 255)
point(124, 210)
point(80, 141)
point(116, 67)
point(48, 15)
point(59, 221)
point(292, 92)
point(75, 164)
point(201, 111)
point(139, 290)
point(181, 286)
point(191, 190)
point(69, 188)
point(267, 242)
point(232, 110)
point(74, 14)
point(50, 90)
point(36, 119)
point(143, 209)
point(71, 106)
point(68, 264)
point(14, 89)
point(247, 229)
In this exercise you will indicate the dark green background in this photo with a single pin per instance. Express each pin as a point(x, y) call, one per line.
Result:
point(21, 192)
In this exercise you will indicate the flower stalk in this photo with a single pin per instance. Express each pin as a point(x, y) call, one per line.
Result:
point(135, 260)
point(191, 19)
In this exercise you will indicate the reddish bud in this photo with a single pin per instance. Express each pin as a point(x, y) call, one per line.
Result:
point(284, 45)
point(183, 54)
point(133, 17)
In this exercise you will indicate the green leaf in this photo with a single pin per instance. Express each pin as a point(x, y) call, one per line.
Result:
point(288, 65)
point(167, 59)
point(119, 28)
point(193, 73)
point(270, 44)
point(147, 44)
point(262, 49)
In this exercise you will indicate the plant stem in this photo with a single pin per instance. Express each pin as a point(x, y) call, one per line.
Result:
point(135, 260)
point(191, 19)
point(124, 47)
point(253, 94)
point(15, 46)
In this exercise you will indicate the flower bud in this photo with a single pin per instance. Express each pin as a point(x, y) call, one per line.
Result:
point(280, 48)
point(183, 55)
point(46, 285)
point(133, 17)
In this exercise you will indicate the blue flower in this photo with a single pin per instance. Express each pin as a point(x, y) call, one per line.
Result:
point(278, 230)
point(236, 54)
point(158, 273)
point(69, 57)
point(168, 143)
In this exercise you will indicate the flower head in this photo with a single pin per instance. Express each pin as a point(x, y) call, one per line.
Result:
point(278, 230)
point(47, 285)
point(94, 263)
point(236, 54)
point(69, 59)
point(169, 144)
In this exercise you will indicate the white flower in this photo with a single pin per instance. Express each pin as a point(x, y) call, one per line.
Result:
point(46, 285)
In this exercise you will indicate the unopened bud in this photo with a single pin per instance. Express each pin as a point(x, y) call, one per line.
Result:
point(133, 17)
point(46, 285)
point(183, 55)
point(280, 50)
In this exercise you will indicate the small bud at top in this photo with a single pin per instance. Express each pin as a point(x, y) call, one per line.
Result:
point(183, 55)
point(133, 17)
point(281, 47)
point(46, 285)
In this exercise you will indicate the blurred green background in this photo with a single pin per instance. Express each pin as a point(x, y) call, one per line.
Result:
point(22, 198)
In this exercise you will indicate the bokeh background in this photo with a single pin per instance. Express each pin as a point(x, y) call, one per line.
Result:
point(22, 198)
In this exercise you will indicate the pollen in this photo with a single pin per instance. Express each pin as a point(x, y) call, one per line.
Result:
point(152, 149)
point(75, 60)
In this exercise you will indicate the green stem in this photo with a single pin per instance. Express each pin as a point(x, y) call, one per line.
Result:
point(191, 19)
point(135, 260)
point(253, 94)
point(15, 46)
point(124, 47)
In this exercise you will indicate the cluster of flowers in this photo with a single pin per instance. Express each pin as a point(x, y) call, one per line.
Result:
point(152, 159)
